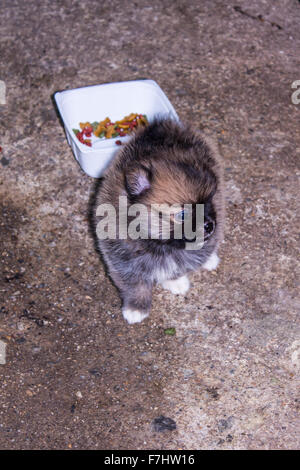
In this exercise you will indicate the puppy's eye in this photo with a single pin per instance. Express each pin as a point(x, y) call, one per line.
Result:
point(209, 228)
point(180, 216)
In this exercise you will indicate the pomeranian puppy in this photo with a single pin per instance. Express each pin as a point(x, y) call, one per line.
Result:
point(170, 166)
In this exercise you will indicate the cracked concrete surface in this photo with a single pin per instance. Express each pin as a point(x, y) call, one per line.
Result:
point(75, 374)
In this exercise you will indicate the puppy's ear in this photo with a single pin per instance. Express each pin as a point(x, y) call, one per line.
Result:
point(137, 180)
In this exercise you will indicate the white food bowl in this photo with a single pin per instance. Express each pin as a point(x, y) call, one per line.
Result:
point(113, 100)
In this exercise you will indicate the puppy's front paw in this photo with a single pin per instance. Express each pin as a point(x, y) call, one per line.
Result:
point(212, 262)
point(177, 286)
point(133, 316)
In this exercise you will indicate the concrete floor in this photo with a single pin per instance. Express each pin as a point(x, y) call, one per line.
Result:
point(76, 375)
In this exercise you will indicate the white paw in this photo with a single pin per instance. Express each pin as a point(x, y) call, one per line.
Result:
point(177, 286)
point(133, 316)
point(212, 262)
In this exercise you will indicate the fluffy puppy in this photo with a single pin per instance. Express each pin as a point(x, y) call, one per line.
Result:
point(165, 163)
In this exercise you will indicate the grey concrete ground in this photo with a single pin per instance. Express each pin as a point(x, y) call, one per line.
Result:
point(76, 375)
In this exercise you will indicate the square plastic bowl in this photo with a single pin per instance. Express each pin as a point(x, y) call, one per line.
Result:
point(113, 100)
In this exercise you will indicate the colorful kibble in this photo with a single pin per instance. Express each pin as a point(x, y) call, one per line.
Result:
point(109, 129)
point(170, 331)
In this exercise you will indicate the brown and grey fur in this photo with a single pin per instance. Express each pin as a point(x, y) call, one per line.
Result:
point(166, 162)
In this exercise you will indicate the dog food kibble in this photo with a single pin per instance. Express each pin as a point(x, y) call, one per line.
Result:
point(107, 129)
point(170, 331)
point(86, 132)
